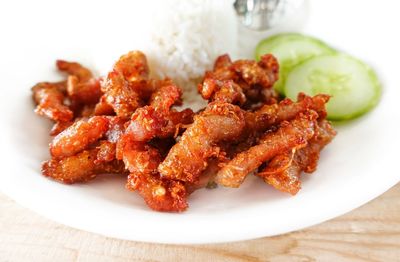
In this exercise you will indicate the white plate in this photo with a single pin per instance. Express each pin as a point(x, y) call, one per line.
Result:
point(359, 165)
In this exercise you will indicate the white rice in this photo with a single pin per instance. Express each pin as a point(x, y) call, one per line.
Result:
point(187, 36)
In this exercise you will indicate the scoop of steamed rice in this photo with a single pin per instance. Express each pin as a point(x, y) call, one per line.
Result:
point(187, 36)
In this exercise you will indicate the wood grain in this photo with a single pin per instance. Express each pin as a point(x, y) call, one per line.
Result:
point(369, 233)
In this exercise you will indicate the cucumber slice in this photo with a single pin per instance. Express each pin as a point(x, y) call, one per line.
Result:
point(265, 45)
point(291, 49)
point(354, 86)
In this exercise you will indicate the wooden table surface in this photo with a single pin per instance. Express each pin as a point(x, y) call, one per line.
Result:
point(369, 233)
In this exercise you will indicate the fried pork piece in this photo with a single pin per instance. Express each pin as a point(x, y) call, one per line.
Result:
point(165, 96)
point(159, 194)
point(222, 91)
point(293, 134)
point(157, 119)
point(50, 101)
point(283, 172)
point(257, 75)
point(139, 157)
point(124, 86)
point(88, 92)
point(146, 123)
point(222, 71)
point(71, 68)
point(133, 66)
point(270, 115)
point(142, 160)
point(221, 64)
point(236, 82)
point(219, 122)
point(79, 136)
point(120, 95)
point(81, 167)
point(80, 112)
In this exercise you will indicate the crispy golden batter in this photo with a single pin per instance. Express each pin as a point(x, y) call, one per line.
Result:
point(219, 122)
point(293, 134)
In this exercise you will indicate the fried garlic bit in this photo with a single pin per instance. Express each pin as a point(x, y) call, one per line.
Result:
point(126, 123)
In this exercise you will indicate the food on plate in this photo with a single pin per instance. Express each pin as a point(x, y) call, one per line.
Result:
point(309, 65)
point(128, 123)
